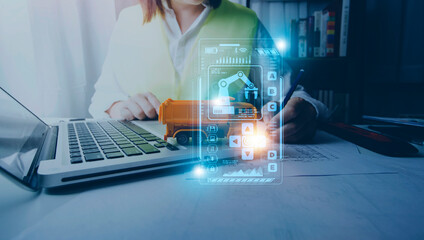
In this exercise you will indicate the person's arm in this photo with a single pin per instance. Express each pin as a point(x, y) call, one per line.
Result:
point(320, 108)
point(109, 100)
point(300, 115)
point(107, 91)
point(301, 112)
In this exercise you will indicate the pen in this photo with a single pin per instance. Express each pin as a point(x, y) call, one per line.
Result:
point(291, 91)
point(292, 88)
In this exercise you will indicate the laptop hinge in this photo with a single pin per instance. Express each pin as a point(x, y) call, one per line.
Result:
point(48, 150)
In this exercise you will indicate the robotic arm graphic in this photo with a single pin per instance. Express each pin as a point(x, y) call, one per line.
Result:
point(223, 84)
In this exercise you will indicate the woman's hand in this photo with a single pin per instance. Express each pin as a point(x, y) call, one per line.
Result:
point(299, 121)
point(140, 106)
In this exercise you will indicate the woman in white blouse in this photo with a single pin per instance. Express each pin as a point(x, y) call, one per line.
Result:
point(152, 53)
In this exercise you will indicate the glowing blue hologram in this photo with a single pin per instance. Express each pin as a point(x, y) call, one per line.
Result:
point(212, 128)
point(281, 45)
point(247, 129)
point(212, 148)
point(260, 141)
point(272, 155)
point(255, 172)
point(212, 138)
point(272, 107)
point(234, 141)
point(267, 51)
point(225, 110)
point(272, 167)
point(223, 85)
point(211, 50)
point(272, 75)
point(247, 153)
point(212, 168)
point(240, 76)
point(199, 171)
point(212, 158)
point(272, 91)
point(248, 141)
point(230, 101)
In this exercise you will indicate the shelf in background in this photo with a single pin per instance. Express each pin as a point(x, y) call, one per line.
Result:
point(313, 1)
point(322, 73)
point(313, 59)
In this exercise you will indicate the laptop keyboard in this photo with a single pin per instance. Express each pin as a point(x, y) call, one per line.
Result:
point(94, 141)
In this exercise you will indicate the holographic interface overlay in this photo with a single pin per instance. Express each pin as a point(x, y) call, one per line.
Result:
point(243, 83)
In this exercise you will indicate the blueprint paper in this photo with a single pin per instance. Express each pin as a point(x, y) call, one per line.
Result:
point(328, 155)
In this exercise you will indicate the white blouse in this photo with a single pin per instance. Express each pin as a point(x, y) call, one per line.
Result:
point(108, 91)
point(180, 44)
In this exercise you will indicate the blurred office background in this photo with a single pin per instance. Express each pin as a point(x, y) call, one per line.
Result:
point(52, 52)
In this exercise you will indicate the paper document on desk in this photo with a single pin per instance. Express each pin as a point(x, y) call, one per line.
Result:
point(327, 156)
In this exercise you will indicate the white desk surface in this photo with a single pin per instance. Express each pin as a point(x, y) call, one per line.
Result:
point(362, 206)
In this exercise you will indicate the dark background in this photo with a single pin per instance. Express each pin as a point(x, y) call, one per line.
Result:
point(394, 57)
point(383, 72)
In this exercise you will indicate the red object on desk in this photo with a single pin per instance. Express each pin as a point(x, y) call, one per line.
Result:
point(371, 140)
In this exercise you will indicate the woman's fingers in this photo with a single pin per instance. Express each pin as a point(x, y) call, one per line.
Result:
point(139, 106)
point(294, 126)
point(146, 106)
point(267, 115)
point(296, 132)
point(299, 121)
point(290, 130)
point(154, 101)
point(126, 114)
point(135, 110)
point(294, 107)
point(114, 110)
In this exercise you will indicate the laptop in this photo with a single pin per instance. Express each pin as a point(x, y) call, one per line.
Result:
point(39, 155)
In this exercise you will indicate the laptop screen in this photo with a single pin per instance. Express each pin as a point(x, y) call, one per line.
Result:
point(21, 135)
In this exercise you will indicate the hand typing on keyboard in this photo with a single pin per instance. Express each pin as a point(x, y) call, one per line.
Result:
point(140, 106)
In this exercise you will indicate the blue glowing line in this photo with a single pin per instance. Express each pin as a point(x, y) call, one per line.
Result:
point(200, 117)
point(229, 45)
point(281, 119)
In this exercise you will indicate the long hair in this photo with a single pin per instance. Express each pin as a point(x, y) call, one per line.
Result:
point(153, 7)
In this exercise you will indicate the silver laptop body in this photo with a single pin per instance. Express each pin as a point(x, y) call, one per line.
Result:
point(45, 156)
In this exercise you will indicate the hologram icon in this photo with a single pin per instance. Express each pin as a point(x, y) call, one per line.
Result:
point(272, 167)
point(272, 107)
point(248, 141)
point(212, 128)
point(235, 141)
point(212, 148)
point(212, 158)
point(272, 155)
point(212, 138)
point(247, 128)
point(272, 91)
point(224, 84)
point(247, 154)
point(272, 75)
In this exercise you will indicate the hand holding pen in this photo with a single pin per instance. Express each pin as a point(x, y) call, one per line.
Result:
point(297, 118)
